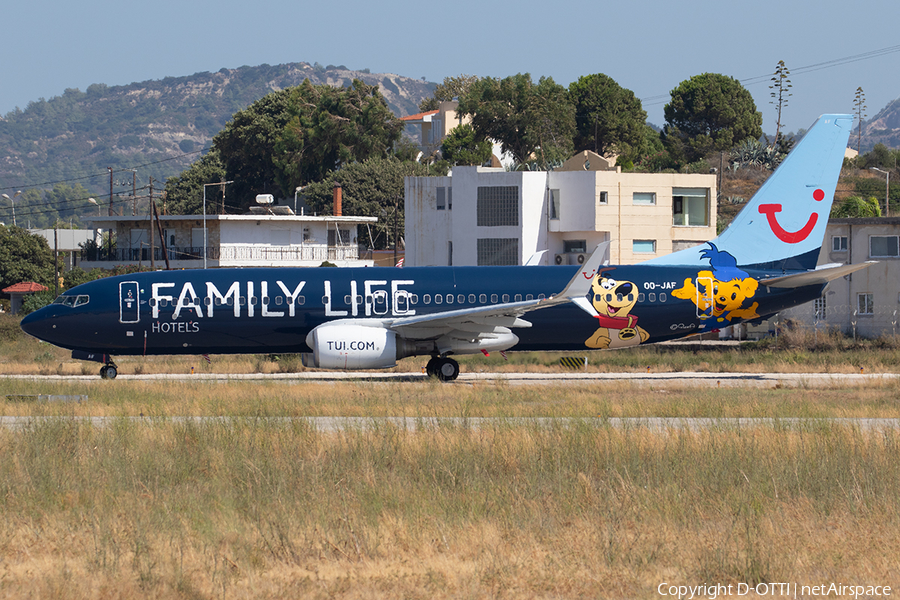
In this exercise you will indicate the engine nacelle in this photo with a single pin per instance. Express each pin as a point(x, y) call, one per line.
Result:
point(345, 346)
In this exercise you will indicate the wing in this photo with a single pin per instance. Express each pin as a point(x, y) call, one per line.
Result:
point(494, 322)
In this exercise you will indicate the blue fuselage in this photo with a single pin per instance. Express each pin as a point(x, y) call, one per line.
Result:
point(271, 310)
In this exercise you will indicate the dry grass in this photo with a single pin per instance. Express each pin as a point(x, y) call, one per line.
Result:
point(433, 399)
point(260, 511)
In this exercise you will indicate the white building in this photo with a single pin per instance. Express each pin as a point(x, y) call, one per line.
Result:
point(253, 240)
point(489, 216)
point(867, 301)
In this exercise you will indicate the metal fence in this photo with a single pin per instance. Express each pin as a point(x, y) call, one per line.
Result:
point(261, 254)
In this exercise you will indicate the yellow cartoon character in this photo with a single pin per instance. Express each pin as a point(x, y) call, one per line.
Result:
point(613, 301)
point(722, 291)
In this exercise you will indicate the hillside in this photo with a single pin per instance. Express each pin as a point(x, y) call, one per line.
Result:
point(156, 126)
point(883, 128)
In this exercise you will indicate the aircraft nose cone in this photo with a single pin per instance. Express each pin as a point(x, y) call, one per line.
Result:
point(39, 324)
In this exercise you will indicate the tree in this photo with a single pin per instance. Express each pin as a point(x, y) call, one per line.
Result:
point(246, 146)
point(371, 188)
point(184, 192)
point(24, 257)
point(533, 122)
point(859, 107)
point(608, 117)
point(461, 147)
point(707, 113)
point(780, 87)
point(856, 207)
point(451, 89)
point(331, 127)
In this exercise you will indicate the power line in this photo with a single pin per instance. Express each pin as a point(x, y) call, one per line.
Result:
point(104, 174)
point(661, 98)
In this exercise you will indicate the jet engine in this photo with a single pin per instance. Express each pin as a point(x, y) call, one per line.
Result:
point(345, 346)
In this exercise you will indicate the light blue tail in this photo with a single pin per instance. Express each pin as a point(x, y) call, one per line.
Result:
point(783, 225)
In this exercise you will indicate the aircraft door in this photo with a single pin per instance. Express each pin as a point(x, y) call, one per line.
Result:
point(705, 297)
point(379, 301)
point(129, 305)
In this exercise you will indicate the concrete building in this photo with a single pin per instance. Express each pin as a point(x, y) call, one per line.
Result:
point(489, 216)
point(68, 242)
point(868, 301)
point(253, 240)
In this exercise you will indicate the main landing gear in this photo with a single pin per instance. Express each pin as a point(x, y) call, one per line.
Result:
point(109, 370)
point(442, 367)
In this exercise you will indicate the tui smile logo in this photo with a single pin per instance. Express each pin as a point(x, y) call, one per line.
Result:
point(791, 237)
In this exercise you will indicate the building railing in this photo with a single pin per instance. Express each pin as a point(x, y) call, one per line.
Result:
point(262, 254)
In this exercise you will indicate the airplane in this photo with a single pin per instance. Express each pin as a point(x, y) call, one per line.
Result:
point(369, 318)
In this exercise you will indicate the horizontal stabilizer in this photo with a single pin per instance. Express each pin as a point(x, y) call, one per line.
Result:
point(817, 277)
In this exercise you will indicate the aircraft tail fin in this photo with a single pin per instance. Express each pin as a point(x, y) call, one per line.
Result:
point(783, 225)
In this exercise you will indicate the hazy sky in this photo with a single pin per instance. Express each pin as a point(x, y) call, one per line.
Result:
point(647, 47)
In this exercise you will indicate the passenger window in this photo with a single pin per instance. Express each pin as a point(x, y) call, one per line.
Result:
point(438, 298)
point(426, 299)
point(449, 298)
point(413, 298)
point(347, 299)
point(301, 300)
point(529, 297)
point(151, 303)
point(662, 297)
point(518, 297)
point(652, 297)
point(461, 298)
point(471, 298)
point(506, 297)
point(483, 298)
point(541, 296)
point(494, 298)
point(641, 297)
point(278, 300)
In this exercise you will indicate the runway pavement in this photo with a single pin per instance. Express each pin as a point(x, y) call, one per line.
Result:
point(656, 380)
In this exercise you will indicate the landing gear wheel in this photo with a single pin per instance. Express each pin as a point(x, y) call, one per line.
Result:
point(431, 369)
point(108, 372)
point(447, 369)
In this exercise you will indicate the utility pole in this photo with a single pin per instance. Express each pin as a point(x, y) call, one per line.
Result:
point(56, 257)
point(150, 216)
point(110, 191)
point(133, 193)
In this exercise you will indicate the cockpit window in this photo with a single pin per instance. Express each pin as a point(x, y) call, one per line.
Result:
point(68, 300)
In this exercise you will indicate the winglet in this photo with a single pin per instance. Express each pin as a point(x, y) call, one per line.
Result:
point(535, 259)
point(580, 284)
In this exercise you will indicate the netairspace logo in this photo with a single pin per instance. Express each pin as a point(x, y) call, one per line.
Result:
point(713, 591)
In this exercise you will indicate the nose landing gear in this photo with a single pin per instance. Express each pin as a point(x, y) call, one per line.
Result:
point(109, 370)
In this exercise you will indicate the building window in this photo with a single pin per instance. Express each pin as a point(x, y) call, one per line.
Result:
point(884, 246)
point(819, 308)
point(449, 198)
point(643, 246)
point(575, 246)
point(683, 244)
point(643, 198)
point(498, 206)
point(554, 205)
point(690, 207)
point(498, 251)
point(441, 198)
point(865, 304)
point(839, 243)
point(604, 198)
